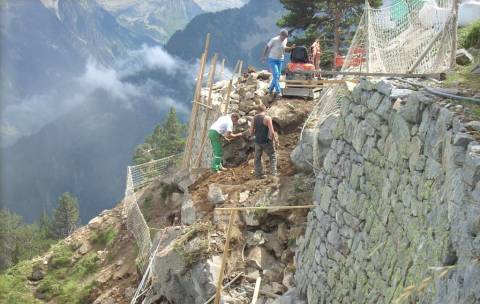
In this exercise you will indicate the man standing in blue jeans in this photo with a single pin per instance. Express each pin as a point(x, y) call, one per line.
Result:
point(275, 50)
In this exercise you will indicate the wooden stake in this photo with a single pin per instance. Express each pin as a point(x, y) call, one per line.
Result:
point(227, 102)
point(240, 68)
point(218, 294)
point(426, 50)
point(193, 116)
point(222, 69)
point(264, 208)
point(236, 67)
point(257, 289)
point(211, 77)
point(453, 58)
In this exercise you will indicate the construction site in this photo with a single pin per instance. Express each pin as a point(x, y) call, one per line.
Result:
point(376, 200)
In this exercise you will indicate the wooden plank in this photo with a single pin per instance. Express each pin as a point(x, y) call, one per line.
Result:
point(264, 208)
point(226, 285)
point(218, 294)
point(211, 77)
point(256, 290)
point(363, 74)
point(320, 81)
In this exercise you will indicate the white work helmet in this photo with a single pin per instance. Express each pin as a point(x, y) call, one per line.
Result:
point(284, 32)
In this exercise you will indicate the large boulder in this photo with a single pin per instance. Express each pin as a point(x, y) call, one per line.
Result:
point(314, 145)
point(179, 279)
point(289, 114)
point(236, 151)
point(464, 57)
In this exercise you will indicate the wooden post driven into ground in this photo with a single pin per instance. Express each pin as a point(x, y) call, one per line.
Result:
point(453, 58)
point(211, 77)
point(222, 69)
point(240, 66)
point(218, 294)
point(227, 98)
point(193, 116)
point(256, 290)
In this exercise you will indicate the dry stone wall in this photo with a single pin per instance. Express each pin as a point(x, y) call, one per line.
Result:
point(398, 204)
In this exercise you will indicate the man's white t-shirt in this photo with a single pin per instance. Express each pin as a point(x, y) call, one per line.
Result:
point(223, 125)
point(277, 47)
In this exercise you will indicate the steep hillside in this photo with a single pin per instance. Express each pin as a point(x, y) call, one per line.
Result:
point(239, 33)
point(153, 18)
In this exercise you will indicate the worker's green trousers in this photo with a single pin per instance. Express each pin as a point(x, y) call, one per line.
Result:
point(217, 150)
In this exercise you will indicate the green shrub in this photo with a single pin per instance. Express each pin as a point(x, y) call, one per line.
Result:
point(104, 237)
point(469, 36)
point(61, 257)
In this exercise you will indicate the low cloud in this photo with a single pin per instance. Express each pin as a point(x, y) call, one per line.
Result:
point(28, 115)
point(99, 77)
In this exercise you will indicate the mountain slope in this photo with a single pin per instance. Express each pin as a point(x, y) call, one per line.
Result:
point(158, 19)
point(87, 150)
point(45, 46)
point(239, 33)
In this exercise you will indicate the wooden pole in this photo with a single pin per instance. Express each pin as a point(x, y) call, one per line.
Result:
point(453, 57)
point(193, 117)
point(222, 68)
point(227, 101)
point(240, 68)
point(367, 21)
point(425, 51)
point(256, 290)
point(236, 67)
point(264, 208)
point(218, 294)
point(211, 77)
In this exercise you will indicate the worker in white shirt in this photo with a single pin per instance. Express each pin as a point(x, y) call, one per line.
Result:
point(222, 127)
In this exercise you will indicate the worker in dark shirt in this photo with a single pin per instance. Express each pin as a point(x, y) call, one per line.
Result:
point(262, 128)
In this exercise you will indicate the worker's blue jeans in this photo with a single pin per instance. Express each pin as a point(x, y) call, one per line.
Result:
point(276, 69)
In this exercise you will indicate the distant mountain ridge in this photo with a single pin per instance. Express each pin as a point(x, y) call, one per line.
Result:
point(216, 5)
point(238, 33)
point(158, 19)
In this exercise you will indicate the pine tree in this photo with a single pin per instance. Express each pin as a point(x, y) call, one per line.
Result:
point(65, 216)
point(323, 18)
point(168, 138)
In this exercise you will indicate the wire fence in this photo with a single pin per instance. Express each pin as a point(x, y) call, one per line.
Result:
point(138, 177)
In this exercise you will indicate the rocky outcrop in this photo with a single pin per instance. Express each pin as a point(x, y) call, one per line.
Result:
point(182, 276)
point(397, 204)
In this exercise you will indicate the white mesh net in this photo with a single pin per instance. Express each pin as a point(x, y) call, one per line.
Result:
point(392, 40)
point(138, 177)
